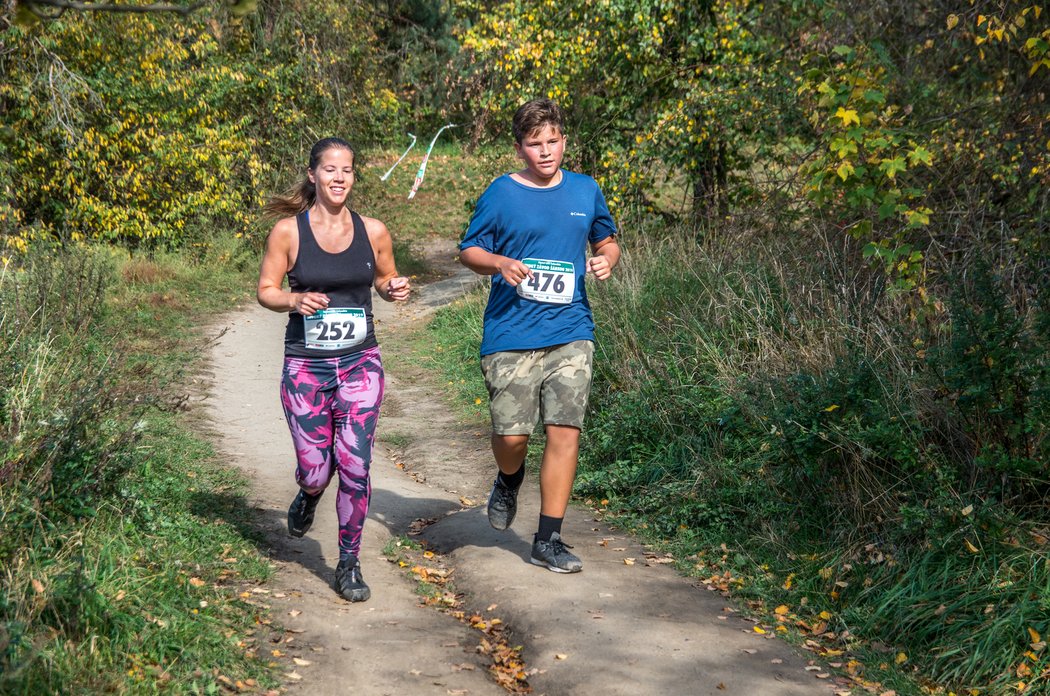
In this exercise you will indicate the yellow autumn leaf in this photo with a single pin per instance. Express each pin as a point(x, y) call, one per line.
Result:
point(953, 21)
point(1036, 638)
point(197, 582)
point(825, 615)
point(848, 116)
point(970, 547)
point(787, 583)
point(783, 609)
point(831, 408)
point(759, 629)
point(901, 658)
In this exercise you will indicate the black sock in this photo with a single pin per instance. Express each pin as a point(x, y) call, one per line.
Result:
point(513, 481)
point(548, 525)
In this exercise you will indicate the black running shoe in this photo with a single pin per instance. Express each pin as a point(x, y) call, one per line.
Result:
point(301, 513)
point(503, 505)
point(349, 582)
point(554, 555)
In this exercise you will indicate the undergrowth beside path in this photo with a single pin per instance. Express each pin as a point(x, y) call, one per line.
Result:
point(126, 566)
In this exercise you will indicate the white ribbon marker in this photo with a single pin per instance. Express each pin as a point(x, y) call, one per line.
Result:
point(389, 171)
point(423, 165)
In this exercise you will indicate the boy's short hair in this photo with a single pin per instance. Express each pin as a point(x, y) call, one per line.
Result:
point(534, 115)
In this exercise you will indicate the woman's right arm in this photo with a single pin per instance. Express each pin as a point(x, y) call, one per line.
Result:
point(275, 264)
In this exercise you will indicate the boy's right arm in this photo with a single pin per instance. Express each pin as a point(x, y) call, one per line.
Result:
point(486, 263)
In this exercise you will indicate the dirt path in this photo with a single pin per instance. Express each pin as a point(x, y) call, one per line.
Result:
point(615, 628)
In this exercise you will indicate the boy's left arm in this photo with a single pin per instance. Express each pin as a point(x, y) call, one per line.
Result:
point(606, 256)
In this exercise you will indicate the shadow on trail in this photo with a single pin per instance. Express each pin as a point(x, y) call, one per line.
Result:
point(470, 528)
point(267, 529)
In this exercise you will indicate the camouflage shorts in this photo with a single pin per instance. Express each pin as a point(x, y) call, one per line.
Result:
point(524, 385)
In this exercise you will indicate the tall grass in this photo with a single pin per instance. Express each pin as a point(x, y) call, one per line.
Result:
point(117, 571)
point(771, 394)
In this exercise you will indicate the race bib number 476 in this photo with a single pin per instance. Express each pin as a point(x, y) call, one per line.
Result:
point(335, 328)
point(551, 281)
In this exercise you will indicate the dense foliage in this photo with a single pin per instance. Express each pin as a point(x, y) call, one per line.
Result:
point(159, 129)
point(827, 344)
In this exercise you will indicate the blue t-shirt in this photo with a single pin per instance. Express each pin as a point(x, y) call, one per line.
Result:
point(549, 229)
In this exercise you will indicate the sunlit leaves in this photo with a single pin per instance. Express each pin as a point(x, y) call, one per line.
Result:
point(848, 116)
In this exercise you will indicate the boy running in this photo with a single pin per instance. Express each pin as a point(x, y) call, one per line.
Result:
point(530, 232)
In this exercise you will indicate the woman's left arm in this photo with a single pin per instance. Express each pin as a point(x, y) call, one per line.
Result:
point(390, 286)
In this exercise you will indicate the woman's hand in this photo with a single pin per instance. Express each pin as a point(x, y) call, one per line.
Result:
point(398, 289)
point(309, 303)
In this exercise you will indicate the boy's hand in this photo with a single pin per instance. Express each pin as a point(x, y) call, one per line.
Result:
point(599, 266)
point(514, 272)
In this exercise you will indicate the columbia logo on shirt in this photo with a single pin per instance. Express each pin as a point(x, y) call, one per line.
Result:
point(576, 214)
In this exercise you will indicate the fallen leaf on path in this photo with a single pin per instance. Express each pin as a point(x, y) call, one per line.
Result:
point(301, 662)
point(417, 525)
point(293, 675)
point(776, 661)
point(466, 502)
point(561, 656)
point(749, 651)
point(628, 561)
point(294, 612)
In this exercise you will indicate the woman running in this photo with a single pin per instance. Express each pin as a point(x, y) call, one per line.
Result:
point(332, 381)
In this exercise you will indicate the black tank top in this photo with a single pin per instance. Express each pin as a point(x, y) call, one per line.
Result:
point(346, 326)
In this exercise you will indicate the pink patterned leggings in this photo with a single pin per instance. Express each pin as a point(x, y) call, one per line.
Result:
point(332, 405)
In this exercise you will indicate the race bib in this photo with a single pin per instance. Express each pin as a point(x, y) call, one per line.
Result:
point(335, 328)
point(551, 281)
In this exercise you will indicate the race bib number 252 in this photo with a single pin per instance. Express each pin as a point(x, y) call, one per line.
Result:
point(551, 281)
point(335, 328)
